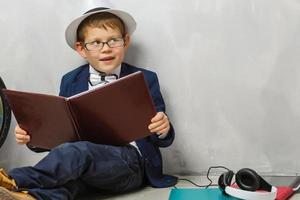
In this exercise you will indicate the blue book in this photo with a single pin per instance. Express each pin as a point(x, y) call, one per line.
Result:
point(198, 194)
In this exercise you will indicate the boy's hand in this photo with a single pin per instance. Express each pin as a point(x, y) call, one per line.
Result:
point(159, 124)
point(21, 135)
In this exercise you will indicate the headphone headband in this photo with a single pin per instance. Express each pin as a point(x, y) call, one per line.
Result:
point(243, 194)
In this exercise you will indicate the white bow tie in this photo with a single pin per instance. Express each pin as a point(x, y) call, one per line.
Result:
point(101, 78)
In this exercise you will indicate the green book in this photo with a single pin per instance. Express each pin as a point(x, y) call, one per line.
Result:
point(198, 194)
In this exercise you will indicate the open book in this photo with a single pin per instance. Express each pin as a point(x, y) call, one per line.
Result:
point(115, 114)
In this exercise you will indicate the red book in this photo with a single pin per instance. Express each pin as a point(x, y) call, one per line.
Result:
point(115, 114)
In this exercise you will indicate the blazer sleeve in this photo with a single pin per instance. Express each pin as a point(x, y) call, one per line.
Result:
point(160, 107)
point(154, 88)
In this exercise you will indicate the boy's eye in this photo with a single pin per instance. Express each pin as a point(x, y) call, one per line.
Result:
point(96, 42)
point(113, 40)
point(117, 39)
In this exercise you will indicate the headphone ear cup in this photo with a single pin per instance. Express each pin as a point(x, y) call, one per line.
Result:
point(225, 180)
point(247, 179)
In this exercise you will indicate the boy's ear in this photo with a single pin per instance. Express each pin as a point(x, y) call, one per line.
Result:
point(80, 49)
point(127, 41)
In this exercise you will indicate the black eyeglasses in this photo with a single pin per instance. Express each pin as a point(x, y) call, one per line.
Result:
point(98, 45)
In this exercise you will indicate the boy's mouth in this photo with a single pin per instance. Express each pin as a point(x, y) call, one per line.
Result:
point(107, 58)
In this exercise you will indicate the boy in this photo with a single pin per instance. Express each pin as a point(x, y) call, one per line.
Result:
point(101, 36)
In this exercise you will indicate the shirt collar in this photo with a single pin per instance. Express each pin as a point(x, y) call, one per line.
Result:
point(116, 71)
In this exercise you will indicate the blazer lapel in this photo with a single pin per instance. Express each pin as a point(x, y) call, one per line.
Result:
point(124, 70)
point(81, 83)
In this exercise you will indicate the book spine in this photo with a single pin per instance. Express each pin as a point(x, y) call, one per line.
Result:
point(73, 118)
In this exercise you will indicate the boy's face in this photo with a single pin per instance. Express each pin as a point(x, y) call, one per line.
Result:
point(108, 58)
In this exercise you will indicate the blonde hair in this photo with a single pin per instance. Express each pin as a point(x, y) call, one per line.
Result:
point(103, 20)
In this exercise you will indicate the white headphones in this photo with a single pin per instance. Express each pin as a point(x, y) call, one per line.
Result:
point(251, 185)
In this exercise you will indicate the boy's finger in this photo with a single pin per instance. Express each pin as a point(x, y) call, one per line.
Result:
point(22, 141)
point(155, 124)
point(20, 131)
point(159, 127)
point(158, 116)
point(22, 137)
point(163, 131)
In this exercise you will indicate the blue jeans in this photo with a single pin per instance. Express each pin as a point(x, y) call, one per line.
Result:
point(74, 168)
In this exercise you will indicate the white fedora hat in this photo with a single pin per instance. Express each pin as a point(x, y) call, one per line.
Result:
point(71, 31)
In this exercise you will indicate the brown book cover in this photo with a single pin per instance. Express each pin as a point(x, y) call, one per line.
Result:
point(115, 114)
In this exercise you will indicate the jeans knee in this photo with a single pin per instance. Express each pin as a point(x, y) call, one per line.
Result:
point(75, 147)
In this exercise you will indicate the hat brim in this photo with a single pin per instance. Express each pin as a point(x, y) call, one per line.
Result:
point(71, 31)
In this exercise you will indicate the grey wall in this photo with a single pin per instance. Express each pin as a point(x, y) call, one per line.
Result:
point(228, 70)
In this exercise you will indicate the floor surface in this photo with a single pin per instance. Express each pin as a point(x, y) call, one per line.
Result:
point(150, 193)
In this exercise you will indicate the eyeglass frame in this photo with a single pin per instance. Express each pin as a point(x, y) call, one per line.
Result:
point(103, 43)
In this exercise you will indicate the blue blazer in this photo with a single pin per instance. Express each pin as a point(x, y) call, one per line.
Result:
point(76, 81)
